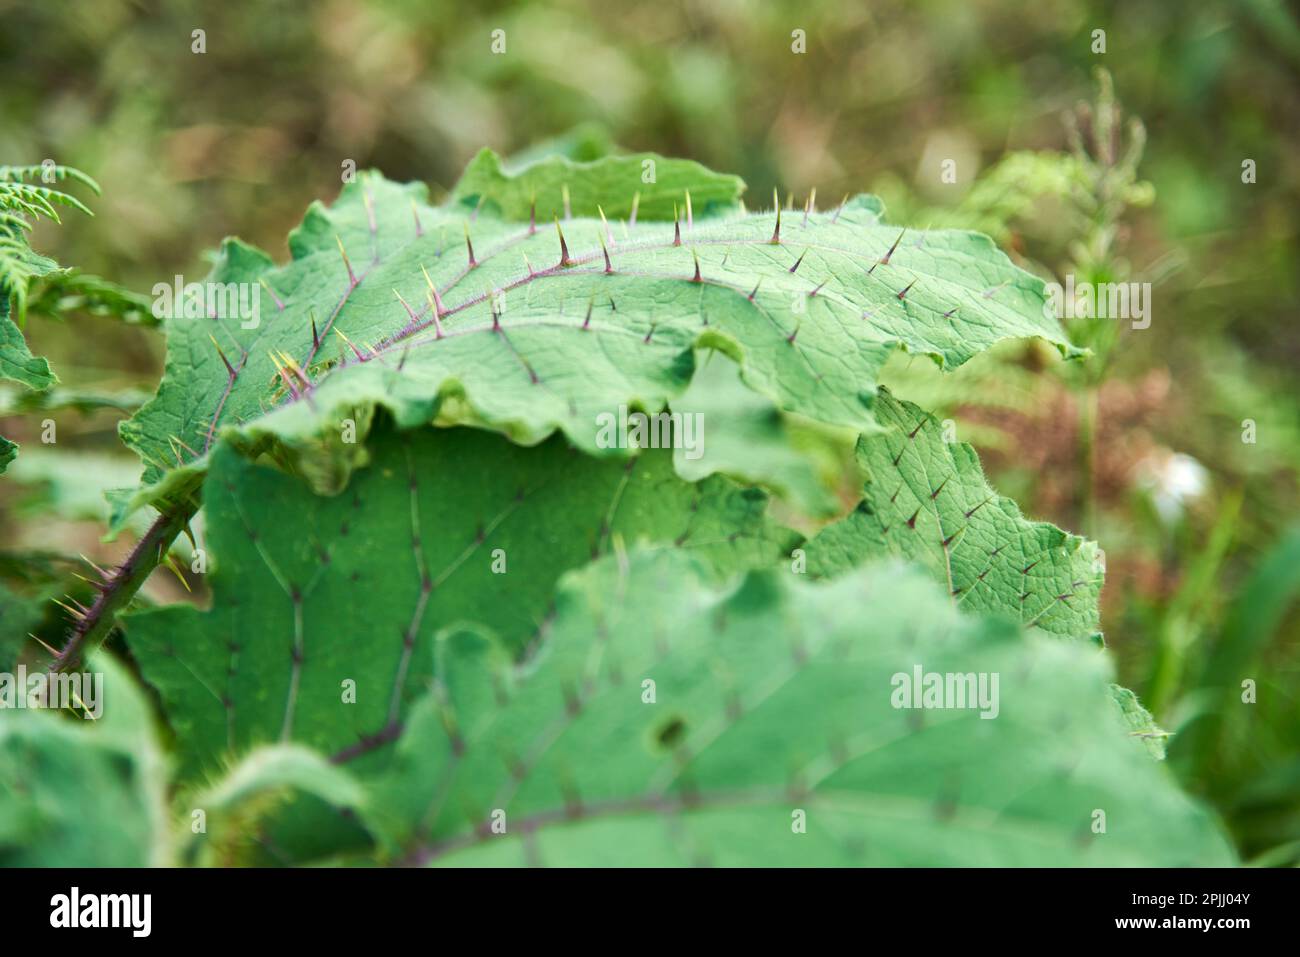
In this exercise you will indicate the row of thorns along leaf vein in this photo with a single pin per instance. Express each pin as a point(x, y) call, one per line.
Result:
point(930, 500)
point(300, 387)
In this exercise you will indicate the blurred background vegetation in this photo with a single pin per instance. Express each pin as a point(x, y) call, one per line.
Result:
point(1142, 448)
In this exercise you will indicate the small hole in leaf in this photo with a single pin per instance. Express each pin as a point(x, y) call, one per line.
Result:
point(671, 733)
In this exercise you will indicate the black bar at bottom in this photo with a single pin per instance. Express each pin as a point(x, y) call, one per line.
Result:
point(331, 906)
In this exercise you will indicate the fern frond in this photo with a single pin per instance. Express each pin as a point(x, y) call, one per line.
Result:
point(11, 221)
point(47, 174)
point(19, 266)
point(35, 201)
point(23, 201)
point(69, 290)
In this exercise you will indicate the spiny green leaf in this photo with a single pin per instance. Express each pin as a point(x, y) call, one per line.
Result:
point(926, 500)
point(84, 793)
point(774, 704)
point(749, 440)
point(534, 334)
point(442, 526)
point(656, 184)
point(1140, 722)
point(8, 452)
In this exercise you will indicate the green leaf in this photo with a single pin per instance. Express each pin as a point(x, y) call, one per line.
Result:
point(16, 360)
point(18, 364)
point(74, 291)
point(926, 500)
point(70, 485)
point(81, 792)
point(749, 440)
point(16, 401)
point(443, 525)
point(1219, 749)
point(20, 203)
point(263, 781)
point(20, 613)
point(610, 183)
point(51, 173)
point(1140, 722)
point(20, 266)
point(770, 699)
point(529, 346)
point(30, 200)
point(585, 142)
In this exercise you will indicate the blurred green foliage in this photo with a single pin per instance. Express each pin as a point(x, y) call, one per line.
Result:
point(190, 147)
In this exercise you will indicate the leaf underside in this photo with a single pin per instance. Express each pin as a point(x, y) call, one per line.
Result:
point(771, 699)
point(926, 500)
point(443, 526)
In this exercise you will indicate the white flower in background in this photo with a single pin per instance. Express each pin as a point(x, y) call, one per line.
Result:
point(1172, 479)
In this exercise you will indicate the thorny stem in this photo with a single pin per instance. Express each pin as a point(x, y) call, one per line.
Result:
point(114, 594)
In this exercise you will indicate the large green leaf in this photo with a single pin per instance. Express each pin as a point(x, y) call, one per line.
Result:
point(770, 699)
point(558, 187)
point(82, 792)
point(535, 335)
point(926, 500)
point(444, 525)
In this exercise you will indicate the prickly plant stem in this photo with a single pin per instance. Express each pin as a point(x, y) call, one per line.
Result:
point(91, 629)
